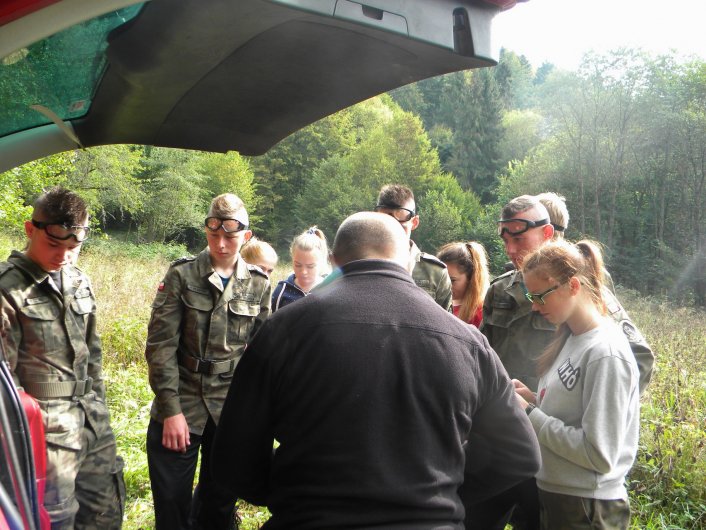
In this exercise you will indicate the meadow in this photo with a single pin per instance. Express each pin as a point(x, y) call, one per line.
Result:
point(667, 484)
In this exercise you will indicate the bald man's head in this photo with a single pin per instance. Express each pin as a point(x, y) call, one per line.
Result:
point(370, 235)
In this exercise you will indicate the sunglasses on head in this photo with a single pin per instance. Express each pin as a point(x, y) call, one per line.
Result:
point(400, 214)
point(229, 226)
point(515, 227)
point(62, 231)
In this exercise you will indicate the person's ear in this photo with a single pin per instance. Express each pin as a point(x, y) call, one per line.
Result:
point(574, 285)
point(247, 235)
point(548, 232)
point(415, 222)
point(29, 229)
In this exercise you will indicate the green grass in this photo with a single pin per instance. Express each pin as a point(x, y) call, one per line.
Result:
point(667, 484)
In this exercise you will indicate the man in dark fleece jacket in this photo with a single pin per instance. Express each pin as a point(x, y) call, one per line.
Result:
point(383, 404)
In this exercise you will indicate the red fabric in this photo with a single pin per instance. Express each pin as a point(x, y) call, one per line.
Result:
point(36, 434)
point(476, 319)
point(13, 9)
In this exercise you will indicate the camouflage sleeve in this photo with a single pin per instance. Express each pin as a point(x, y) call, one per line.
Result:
point(485, 328)
point(11, 334)
point(443, 291)
point(640, 348)
point(95, 352)
point(163, 335)
point(265, 309)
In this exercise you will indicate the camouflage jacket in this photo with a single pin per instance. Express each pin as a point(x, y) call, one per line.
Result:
point(195, 319)
point(52, 347)
point(431, 275)
point(519, 335)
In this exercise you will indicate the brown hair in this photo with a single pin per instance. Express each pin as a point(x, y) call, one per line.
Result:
point(227, 206)
point(59, 205)
point(520, 204)
point(471, 258)
point(395, 196)
point(561, 261)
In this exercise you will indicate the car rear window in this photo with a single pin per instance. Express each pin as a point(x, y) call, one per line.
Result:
point(60, 72)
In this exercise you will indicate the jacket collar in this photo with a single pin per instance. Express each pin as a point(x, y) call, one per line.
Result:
point(376, 266)
point(71, 279)
point(205, 268)
point(34, 271)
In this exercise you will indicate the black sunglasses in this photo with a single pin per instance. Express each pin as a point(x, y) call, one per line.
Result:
point(400, 214)
point(62, 231)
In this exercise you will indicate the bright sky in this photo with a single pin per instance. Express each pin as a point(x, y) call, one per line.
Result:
point(561, 31)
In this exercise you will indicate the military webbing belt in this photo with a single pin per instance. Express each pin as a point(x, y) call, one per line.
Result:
point(58, 389)
point(206, 367)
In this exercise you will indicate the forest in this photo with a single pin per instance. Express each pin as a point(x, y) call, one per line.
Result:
point(623, 138)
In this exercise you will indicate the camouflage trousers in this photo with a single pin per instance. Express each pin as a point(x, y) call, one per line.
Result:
point(84, 487)
point(582, 513)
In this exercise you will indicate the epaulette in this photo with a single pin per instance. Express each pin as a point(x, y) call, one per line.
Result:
point(5, 266)
point(503, 275)
point(432, 259)
point(182, 260)
point(256, 269)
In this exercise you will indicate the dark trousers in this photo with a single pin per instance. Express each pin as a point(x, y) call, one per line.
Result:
point(519, 505)
point(581, 513)
point(172, 479)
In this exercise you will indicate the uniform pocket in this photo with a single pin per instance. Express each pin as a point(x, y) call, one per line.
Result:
point(40, 330)
point(83, 305)
point(198, 308)
point(63, 421)
point(499, 317)
point(40, 309)
point(241, 318)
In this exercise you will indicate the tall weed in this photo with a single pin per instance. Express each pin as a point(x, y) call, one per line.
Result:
point(667, 484)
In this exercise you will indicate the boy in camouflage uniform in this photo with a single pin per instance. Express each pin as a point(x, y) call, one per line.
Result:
point(427, 271)
point(204, 311)
point(519, 335)
point(49, 328)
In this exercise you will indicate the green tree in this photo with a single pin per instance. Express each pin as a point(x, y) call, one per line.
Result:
point(229, 173)
point(174, 198)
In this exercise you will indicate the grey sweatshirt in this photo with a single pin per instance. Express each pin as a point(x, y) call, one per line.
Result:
point(587, 416)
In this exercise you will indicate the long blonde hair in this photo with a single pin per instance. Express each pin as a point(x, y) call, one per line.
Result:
point(472, 260)
point(560, 261)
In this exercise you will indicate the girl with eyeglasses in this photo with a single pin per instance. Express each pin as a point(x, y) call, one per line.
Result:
point(467, 265)
point(586, 412)
point(310, 263)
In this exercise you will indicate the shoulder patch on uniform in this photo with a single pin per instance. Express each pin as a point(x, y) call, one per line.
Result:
point(630, 331)
point(256, 269)
point(502, 276)
point(432, 259)
point(182, 260)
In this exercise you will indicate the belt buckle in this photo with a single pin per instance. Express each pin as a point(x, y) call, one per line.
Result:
point(203, 366)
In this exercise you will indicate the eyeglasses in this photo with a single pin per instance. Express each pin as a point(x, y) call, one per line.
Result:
point(229, 226)
point(62, 231)
point(538, 298)
point(400, 214)
point(515, 227)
